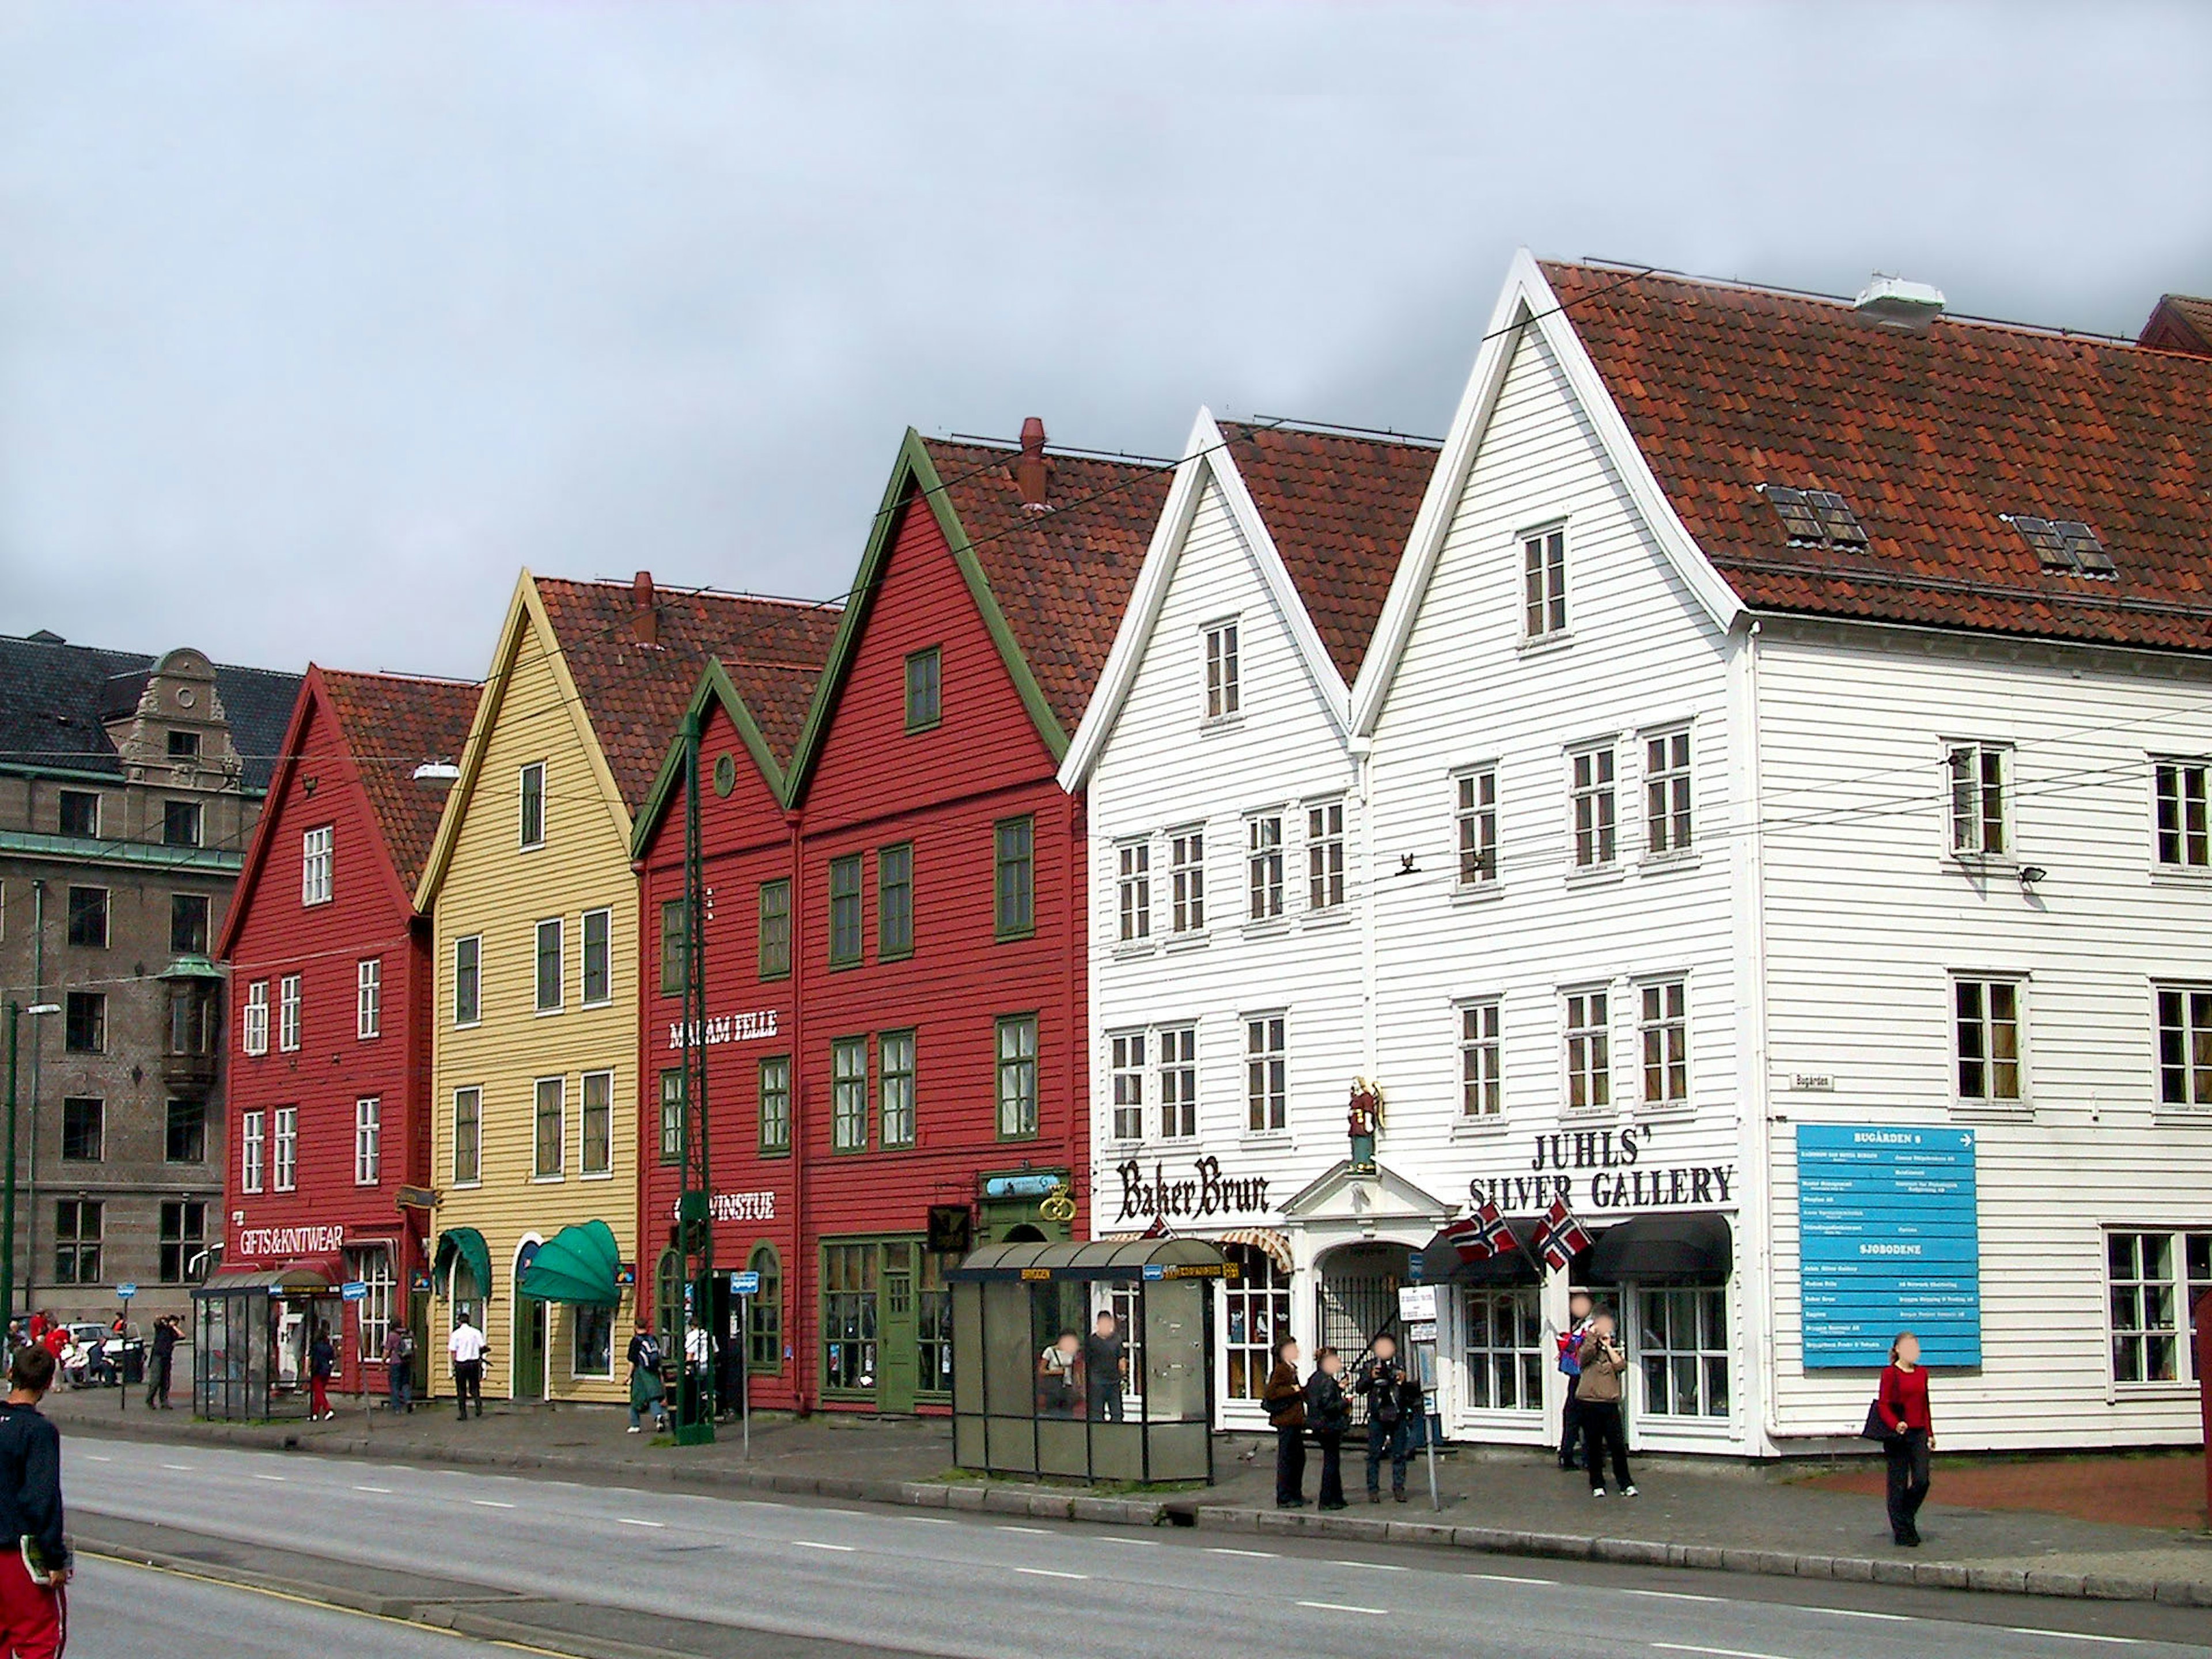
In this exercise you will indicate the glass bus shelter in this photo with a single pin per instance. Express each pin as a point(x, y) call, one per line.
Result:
point(250, 1342)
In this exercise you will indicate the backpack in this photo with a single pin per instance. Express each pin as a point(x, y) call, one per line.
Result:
point(406, 1343)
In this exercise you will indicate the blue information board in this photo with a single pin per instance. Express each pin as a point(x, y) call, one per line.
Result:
point(1889, 1241)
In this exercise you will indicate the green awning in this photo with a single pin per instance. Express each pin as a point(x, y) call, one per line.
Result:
point(466, 1245)
point(191, 967)
point(578, 1264)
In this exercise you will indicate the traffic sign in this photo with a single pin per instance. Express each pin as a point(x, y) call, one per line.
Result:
point(126, 1292)
point(744, 1283)
point(355, 1290)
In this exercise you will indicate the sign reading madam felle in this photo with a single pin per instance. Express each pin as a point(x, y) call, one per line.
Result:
point(1208, 1192)
point(1609, 1167)
point(749, 1027)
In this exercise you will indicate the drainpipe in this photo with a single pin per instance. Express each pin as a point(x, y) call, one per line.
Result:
point(1363, 768)
point(38, 1054)
point(1076, 937)
point(799, 1274)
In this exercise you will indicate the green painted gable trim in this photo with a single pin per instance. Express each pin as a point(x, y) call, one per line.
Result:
point(714, 686)
point(75, 849)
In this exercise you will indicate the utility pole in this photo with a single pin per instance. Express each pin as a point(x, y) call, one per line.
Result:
point(694, 1229)
point(15, 1012)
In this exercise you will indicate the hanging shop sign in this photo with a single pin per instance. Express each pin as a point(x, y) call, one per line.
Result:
point(291, 1241)
point(1888, 1240)
point(1207, 1191)
point(750, 1027)
point(1605, 1169)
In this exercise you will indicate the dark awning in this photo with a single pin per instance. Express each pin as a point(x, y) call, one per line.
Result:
point(1441, 1263)
point(1127, 1259)
point(294, 1280)
point(1675, 1246)
point(580, 1265)
point(467, 1245)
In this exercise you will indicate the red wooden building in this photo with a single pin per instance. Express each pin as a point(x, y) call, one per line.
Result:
point(331, 991)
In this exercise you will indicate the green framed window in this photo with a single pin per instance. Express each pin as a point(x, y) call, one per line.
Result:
point(775, 1104)
point(1017, 1077)
point(848, 1095)
point(671, 948)
point(848, 1316)
point(672, 1116)
point(894, 1087)
point(845, 910)
point(765, 1314)
point(1015, 887)
point(895, 901)
point(923, 673)
point(776, 930)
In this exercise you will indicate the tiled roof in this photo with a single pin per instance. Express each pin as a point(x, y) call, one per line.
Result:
point(1062, 578)
point(1930, 438)
point(1340, 508)
point(393, 724)
point(2179, 322)
point(636, 694)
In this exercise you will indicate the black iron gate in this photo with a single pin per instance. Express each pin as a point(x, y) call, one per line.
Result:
point(1357, 1285)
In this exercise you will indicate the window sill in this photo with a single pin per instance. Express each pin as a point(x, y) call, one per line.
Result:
point(1260, 926)
point(1540, 644)
point(1481, 1128)
point(1337, 915)
point(1981, 869)
point(772, 1151)
point(540, 1013)
point(1480, 892)
point(2180, 875)
point(771, 979)
point(1664, 1111)
point(1222, 723)
point(844, 967)
point(1196, 939)
point(1259, 1138)
point(467, 1025)
point(1667, 864)
point(894, 955)
point(2181, 1117)
point(1014, 936)
point(1979, 1111)
point(465, 1186)
point(1130, 949)
point(601, 1175)
point(1596, 875)
point(597, 1002)
point(548, 1180)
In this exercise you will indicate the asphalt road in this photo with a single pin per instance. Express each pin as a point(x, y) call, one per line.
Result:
point(984, 1587)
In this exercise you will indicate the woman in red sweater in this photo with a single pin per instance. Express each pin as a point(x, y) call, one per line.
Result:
point(1903, 1404)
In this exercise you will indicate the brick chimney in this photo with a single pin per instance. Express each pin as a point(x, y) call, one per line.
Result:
point(644, 619)
point(1032, 473)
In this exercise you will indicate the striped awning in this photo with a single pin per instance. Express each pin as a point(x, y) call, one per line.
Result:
point(1268, 1241)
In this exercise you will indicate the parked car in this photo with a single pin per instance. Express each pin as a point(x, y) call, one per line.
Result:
point(81, 1370)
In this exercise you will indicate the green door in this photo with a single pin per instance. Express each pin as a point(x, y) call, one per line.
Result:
point(898, 1338)
point(529, 1373)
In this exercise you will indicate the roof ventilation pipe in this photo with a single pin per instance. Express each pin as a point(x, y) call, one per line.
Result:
point(644, 618)
point(1032, 473)
point(1896, 303)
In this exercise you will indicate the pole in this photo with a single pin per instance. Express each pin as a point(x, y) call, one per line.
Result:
point(2204, 1389)
point(1426, 1358)
point(695, 1220)
point(745, 1393)
point(8, 1204)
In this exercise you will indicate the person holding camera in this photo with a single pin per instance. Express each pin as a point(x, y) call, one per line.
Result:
point(1383, 1380)
point(1599, 1390)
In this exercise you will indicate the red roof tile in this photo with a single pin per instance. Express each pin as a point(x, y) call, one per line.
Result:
point(636, 694)
point(1340, 508)
point(2179, 322)
point(393, 723)
point(1930, 437)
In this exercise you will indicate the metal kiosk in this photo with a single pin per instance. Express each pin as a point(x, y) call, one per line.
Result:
point(250, 1337)
point(1015, 1410)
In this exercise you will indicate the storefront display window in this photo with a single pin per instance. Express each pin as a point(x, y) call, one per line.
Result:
point(1504, 1350)
point(1256, 1307)
point(1684, 1350)
point(933, 1324)
point(592, 1337)
point(848, 1316)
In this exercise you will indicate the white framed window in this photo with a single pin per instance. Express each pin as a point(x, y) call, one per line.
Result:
point(598, 957)
point(596, 1154)
point(1125, 1052)
point(1225, 693)
point(371, 1265)
point(550, 1138)
point(1482, 1055)
point(369, 997)
point(284, 1165)
point(1591, 792)
point(2185, 1046)
point(254, 1026)
point(1662, 1031)
point(1544, 583)
point(468, 1137)
point(368, 1141)
point(1684, 1345)
point(1255, 1314)
point(1178, 1073)
point(1667, 827)
point(1475, 816)
point(468, 979)
point(2153, 1279)
point(848, 1095)
point(1980, 775)
point(1187, 880)
point(1987, 1030)
point(1589, 1049)
point(1266, 1060)
point(1263, 866)
point(1325, 856)
point(252, 1146)
point(1017, 1077)
point(1504, 1349)
point(529, 792)
point(287, 1013)
point(550, 972)
point(315, 865)
point(895, 1089)
point(1132, 889)
point(2184, 840)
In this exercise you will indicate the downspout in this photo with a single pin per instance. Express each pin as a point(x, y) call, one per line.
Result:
point(1758, 1184)
point(803, 1345)
point(1363, 770)
point(1076, 937)
point(38, 1054)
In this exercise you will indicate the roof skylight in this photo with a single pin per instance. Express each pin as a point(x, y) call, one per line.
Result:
point(2066, 545)
point(1816, 517)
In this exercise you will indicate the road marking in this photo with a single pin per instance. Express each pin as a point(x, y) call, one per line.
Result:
point(386, 1491)
point(1344, 1607)
point(1725, 1653)
point(1855, 1612)
point(631, 1520)
point(2073, 1636)
point(489, 1504)
point(1510, 1578)
point(929, 1520)
point(1134, 1543)
point(809, 1544)
point(181, 1466)
point(1217, 1549)
point(1372, 1566)
point(1684, 1595)
point(269, 1477)
point(91, 1458)
point(1047, 1572)
point(1040, 1532)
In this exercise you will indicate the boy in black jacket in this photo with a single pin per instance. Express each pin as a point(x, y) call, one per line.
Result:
point(33, 1616)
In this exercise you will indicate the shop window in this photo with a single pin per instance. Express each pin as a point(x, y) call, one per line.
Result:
point(849, 1316)
point(1256, 1310)
point(1685, 1347)
point(77, 1225)
point(2152, 1280)
point(1505, 1349)
point(184, 1137)
point(184, 1236)
point(764, 1315)
point(84, 1129)
point(933, 1314)
point(370, 1264)
point(591, 1342)
point(188, 924)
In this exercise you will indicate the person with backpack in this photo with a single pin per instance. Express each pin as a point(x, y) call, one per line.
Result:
point(399, 1368)
point(1571, 1367)
point(1382, 1381)
point(649, 1389)
point(35, 1566)
point(1284, 1397)
point(1328, 1415)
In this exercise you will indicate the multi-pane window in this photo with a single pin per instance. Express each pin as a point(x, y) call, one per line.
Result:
point(848, 1316)
point(2184, 825)
point(1589, 1051)
point(1015, 855)
point(77, 1225)
point(775, 1104)
point(1224, 692)
point(192, 1017)
point(2184, 1045)
point(1179, 1082)
point(370, 1266)
point(1126, 1063)
point(84, 1021)
point(1187, 880)
point(1662, 1029)
point(84, 1129)
point(1263, 868)
point(598, 957)
point(550, 1123)
point(895, 1060)
point(933, 1322)
point(924, 671)
point(895, 901)
point(188, 924)
point(764, 1313)
point(1987, 1027)
point(531, 794)
point(776, 930)
point(284, 1160)
point(671, 947)
point(1325, 856)
point(315, 858)
point(1667, 793)
point(1684, 1345)
point(181, 823)
point(287, 1013)
point(1544, 583)
point(845, 910)
point(1979, 777)
point(251, 1148)
point(255, 1025)
point(79, 814)
point(368, 1141)
point(672, 1116)
point(848, 1095)
point(550, 973)
point(468, 979)
point(87, 917)
point(184, 1132)
point(468, 1137)
point(2153, 1281)
point(1480, 1054)
point(1017, 1077)
point(1132, 889)
point(369, 997)
point(596, 1154)
point(591, 1342)
point(1475, 815)
point(182, 1237)
point(1256, 1310)
point(1591, 791)
point(1504, 1350)
point(1266, 1061)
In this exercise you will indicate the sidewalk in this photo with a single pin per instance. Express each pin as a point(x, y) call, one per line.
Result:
point(1791, 1523)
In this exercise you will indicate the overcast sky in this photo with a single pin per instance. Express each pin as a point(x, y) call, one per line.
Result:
point(317, 321)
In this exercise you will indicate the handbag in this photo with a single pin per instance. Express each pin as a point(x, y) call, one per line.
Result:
point(1875, 1428)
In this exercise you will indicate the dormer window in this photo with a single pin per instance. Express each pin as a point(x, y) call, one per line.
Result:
point(183, 746)
point(1815, 518)
point(2065, 545)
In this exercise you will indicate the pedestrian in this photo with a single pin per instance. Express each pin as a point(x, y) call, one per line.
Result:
point(699, 1359)
point(1328, 1415)
point(1902, 1404)
point(34, 1608)
point(399, 1368)
point(1603, 1364)
point(1059, 1377)
point(1571, 1367)
point(467, 1347)
point(167, 1332)
point(1105, 1366)
point(648, 1389)
point(1382, 1380)
point(322, 1360)
point(1285, 1398)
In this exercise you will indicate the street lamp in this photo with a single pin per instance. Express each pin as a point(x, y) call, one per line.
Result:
point(15, 1012)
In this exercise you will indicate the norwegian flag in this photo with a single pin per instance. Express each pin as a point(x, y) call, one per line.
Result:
point(1478, 1236)
point(1559, 1236)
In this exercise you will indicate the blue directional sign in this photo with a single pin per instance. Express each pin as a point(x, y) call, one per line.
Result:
point(744, 1283)
point(125, 1291)
point(1888, 1241)
point(354, 1290)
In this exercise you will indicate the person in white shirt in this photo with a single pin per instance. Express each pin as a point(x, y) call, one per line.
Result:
point(467, 1345)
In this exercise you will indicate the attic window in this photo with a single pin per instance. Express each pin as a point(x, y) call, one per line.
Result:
point(2066, 545)
point(1815, 518)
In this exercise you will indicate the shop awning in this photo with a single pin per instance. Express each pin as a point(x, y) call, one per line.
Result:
point(1653, 1249)
point(467, 1245)
point(1274, 1245)
point(1441, 1263)
point(278, 1281)
point(1143, 1258)
point(578, 1265)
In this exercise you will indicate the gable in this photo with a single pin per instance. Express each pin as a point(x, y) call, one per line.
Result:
point(733, 748)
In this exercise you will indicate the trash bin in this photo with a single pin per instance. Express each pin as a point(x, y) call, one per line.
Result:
point(134, 1365)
